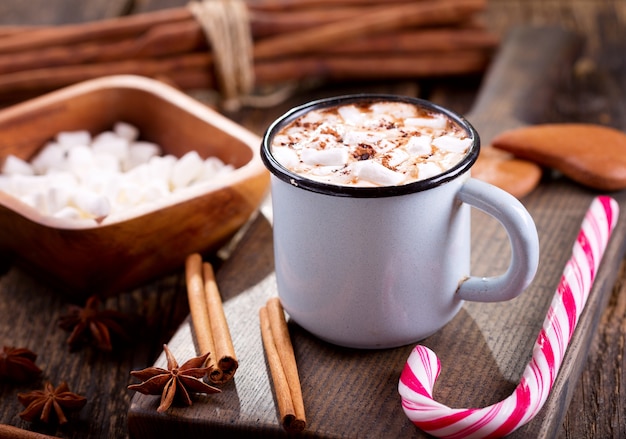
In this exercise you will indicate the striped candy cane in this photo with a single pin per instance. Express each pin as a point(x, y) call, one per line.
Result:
point(422, 368)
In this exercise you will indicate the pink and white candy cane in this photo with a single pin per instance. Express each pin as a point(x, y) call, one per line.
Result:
point(422, 368)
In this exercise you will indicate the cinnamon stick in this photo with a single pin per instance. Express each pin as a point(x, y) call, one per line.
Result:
point(113, 28)
point(375, 20)
point(226, 360)
point(11, 432)
point(438, 40)
point(410, 66)
point(280, 5)
point(269, 23)
point(208, 319)
point(54, 77)
point(6, 30)
point(198, 307)
point(196, 68)
point(162, 40)
point(282, 364)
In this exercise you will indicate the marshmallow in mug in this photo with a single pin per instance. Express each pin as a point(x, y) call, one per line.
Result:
point(370, 144)
point(78, 176)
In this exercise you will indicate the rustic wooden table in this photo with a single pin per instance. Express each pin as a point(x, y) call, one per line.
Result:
point(595, 91)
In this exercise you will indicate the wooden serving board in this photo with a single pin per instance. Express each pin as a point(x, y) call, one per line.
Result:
point(353, 393)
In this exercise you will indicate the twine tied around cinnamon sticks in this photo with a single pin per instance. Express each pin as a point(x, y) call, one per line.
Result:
point(227, 27)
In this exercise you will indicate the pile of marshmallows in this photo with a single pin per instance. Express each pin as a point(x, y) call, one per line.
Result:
point(77, 176)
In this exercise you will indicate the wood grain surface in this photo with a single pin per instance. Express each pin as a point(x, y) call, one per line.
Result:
point(353, 393)
point(594, 91)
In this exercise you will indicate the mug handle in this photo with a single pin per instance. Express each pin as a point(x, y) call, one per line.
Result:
point(523, 238)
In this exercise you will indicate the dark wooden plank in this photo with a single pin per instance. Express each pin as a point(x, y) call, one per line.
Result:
point(602, 78)
point(594, 92)
point(30, 312)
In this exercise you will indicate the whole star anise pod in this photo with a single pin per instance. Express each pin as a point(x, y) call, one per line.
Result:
point(41, 404)
point(18, 364)
point(91, 324)
point(174, 383)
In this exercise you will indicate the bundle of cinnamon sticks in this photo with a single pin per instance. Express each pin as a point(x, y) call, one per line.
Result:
point(293, 40)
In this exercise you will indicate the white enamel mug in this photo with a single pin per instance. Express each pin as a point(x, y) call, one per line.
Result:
point(380, 267)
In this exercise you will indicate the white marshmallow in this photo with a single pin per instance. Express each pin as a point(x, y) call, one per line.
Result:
point(398, 110)
point(97, 180)
point(312, 117)
point(6, 183)
point(384, 146)
point(80, 177)
point(37, 200)
point(57, 198)
point(22, 185)
point(350, 114)
point(126, 131)
point(396, 157)
point(73, 138)
point(154, 192)
point(162, 166)
point(325, 157)
point(286, 156)
point(61, 179)
point(435, 122)
point(67, 212)
point(427, 170)
point(107, 163)
point(452, 144)
point(354, 137)
point(186, 170)
point(376, 173)
point(51, 156)
point(140, 152)
point(211, 168)
point(91, 204)
point(139, 174)
point(419, 146)
point(16, 166)
point(129, 194)
point(325, 171)
point(80, 159)
point(110, 143)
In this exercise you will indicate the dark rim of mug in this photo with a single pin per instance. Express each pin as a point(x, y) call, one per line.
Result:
point(365, 192)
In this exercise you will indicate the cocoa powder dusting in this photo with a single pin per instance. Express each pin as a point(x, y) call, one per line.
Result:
point(364, 152)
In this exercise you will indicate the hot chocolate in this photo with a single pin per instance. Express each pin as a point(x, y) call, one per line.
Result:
point(381, 143)
point(371, 203)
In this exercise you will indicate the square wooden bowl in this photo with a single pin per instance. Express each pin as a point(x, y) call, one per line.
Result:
point(85, 258)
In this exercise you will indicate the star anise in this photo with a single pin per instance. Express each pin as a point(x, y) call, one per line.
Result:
point(174, 383)
point(18, 364)
point(91, 324)
point(41, 404)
